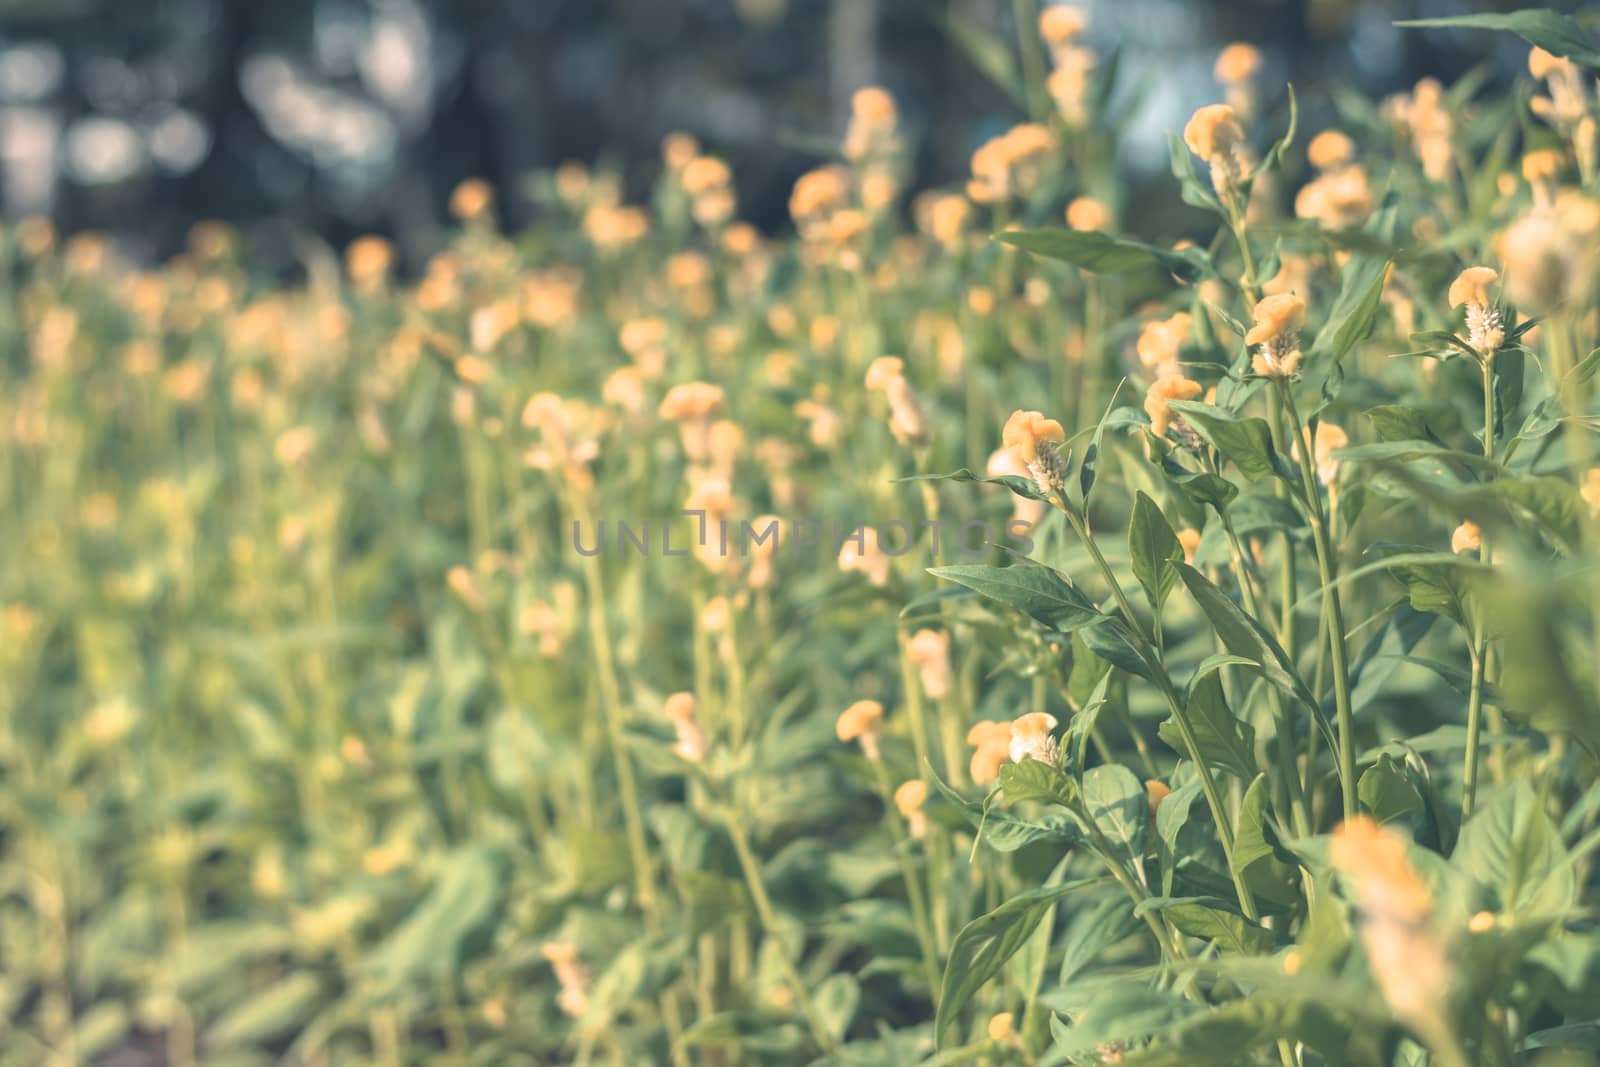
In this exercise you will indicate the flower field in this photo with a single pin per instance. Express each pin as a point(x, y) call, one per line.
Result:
point(967, 627)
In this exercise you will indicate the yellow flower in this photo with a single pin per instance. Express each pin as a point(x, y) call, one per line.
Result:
point(908, 800)
point(1190, 542)
point(1472, 286)
point(1407, 959)
point(1087, 213)
point(1542, 64)
point(1541, 165)
point(1061, 25)
point(1160, 341)
point(929, 652)
point(884, 370)
point(1590, 491)
point(992, 744)
point(1024, 430)
point(1237, 63)
point(1466, 538)
point(1160, 393)
point(1278, 319)
point(1276, 316)
point(1212, 132)
point(1155, 792)
point(691, 400)
point(471, 199)
point(1328, 440)
point(860, 722)
point(1330, 149)
point(1030, 738)
point(1001, 1026)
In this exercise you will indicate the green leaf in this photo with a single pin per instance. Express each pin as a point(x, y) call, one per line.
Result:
point(1092, 931)
point(1120, 807)
point(1035, 780)
point(270, 1013)
point(1247, 442)
point(1548, 29)
point(1006, 831)
point(1511, 848)
point(1101, 253)
point(1355, 310)
point(982, 947)
point(1267, 869)
point(1399, 422)
point(1202, 487)
point(1191, 188)
point(432, 941)
point(1020, 486)
point(837, 997)
point(1213, 920)
point(1123, 1011)
point(1222, 739)
point(1037, 591)
point(1390, 795)
point(1152, 546)
point(1244, 636)
point(990, 54)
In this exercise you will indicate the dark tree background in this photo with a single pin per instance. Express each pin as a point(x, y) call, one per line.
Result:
point(330, 118)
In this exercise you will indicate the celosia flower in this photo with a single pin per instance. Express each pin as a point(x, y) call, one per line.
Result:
point(1160, 341)
point(1235, 70)
point(861, 552)
point(1328, 440)
point(1337, 200)
point(1485, 332)
point(1590, 491)
point(872, 124)
point(908, 800)
point(1087, 213)
point(1061, 24)
point(1568, 102)
point(1189, 541)
point(571, 975)
point(1213, 134)
point(1466, 538)
point(1024, 433)
point(1155, 791)
point(1277, 330)
point(472, 199)
point(929, 652)
point(991, 742)
point(860, 722)
point(679, 710)
point(1008, 165)
point(1158, 396)
point(1031, 738)
point(1330, 150)
point(1407, 959)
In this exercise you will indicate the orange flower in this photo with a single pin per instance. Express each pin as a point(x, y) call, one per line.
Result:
point(1330, 149)
point(1276, 316)
point(1158, 396)
point(1472, 286)
point(1466, 538)
point(1024, 430)
point(1212, 132)
point(860, 722)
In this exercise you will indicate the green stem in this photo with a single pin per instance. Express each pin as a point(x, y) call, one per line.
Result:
point(1333, 610)
point(1480, 656)
point(1180, 715)
point(769, 923)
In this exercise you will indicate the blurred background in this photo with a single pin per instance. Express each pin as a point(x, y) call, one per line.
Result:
point(333, 118)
